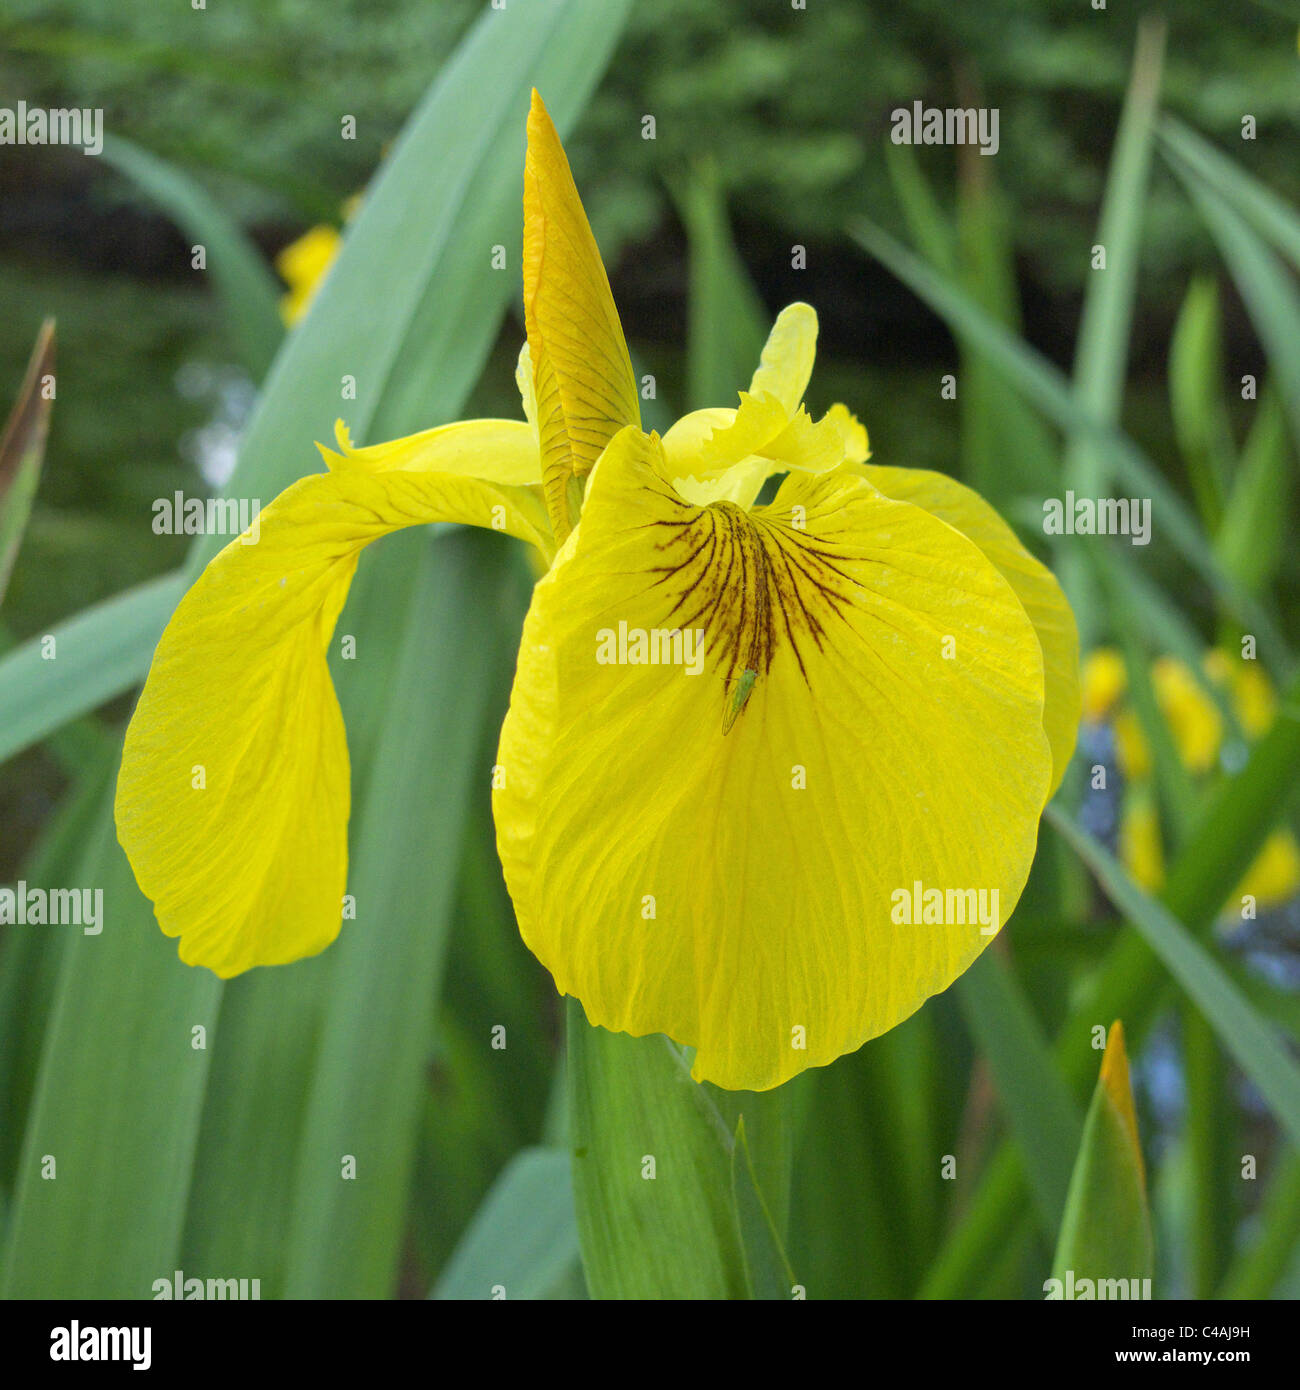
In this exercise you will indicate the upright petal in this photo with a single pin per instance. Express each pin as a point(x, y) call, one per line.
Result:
point(583, 378)
point(738, 887)
point(1034, 583)
point(232, 801)
point(720, 454)
point(785, 367)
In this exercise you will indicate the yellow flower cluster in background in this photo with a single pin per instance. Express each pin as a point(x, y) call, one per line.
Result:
point(1196, 723)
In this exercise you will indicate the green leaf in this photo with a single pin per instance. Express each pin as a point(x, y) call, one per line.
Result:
point(727, 322)
point(1271, 216)
point(98, 654)
point(1043, 1114)
point(116, 1104)
point(1258, 1269)
point(1252, 534)
point(1267, 288)
point(1106, 1231)
point(652, 1177)
point(1240, 1029)
point(247, 290)
point(767, 1270)
point(1196, 399)
point(523, 1238)
point(22, 450)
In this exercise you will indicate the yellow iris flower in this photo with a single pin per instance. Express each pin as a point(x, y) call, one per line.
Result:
point(887, 694)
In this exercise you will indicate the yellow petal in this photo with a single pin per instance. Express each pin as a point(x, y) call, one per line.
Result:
point(583, 378)
point(737, 890)
point(786, 364)
point(1034, 584)
point(1254, 701)
point(232, 801)
point(499, 451)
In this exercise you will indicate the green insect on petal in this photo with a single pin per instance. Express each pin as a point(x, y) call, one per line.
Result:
point(744, 687)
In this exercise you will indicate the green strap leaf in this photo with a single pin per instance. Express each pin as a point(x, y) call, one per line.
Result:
point(652, 1179)
point(98, 654)
point(1043, 1114)
point(1240, 1029)
point(22, 450)
point(243, 281)
point(1106, 1230)
point(523, 1239)
point(1043, 384)
point(767, 1269)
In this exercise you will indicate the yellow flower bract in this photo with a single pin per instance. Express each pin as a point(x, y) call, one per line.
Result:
point(910, 681)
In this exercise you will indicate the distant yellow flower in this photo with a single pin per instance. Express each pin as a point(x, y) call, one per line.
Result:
point(1140, 848)
point(1192, 716)
point(1196, 724)
point(303, 265)
point(737, 733)
point(1274, 877)
point(1105, 679)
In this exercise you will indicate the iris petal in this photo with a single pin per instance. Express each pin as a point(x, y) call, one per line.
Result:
point(735, 889)
point(233, 798)
point(1033, 582)
point(585, 389)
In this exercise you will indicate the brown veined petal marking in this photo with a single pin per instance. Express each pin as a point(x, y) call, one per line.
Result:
point(583, 379)
point(715, 855)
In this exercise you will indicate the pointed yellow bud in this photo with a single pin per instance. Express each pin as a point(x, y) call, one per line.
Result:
point(582, 374)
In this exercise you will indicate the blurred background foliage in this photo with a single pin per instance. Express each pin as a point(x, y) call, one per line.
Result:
point(771, 130)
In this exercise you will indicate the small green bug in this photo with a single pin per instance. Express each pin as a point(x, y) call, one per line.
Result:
point(744, 688)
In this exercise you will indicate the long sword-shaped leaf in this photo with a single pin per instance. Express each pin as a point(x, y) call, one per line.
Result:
point(60, 675)
point(524, 1237)
point(1106, 1231)
point(651, 1171)
point(1266, 287)
point(357, 1146)
point(22, 449)
point(1271, 216)
point(1043, 1113)
point(269, 1149)
point(1240, 1029)
point(241, 277)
